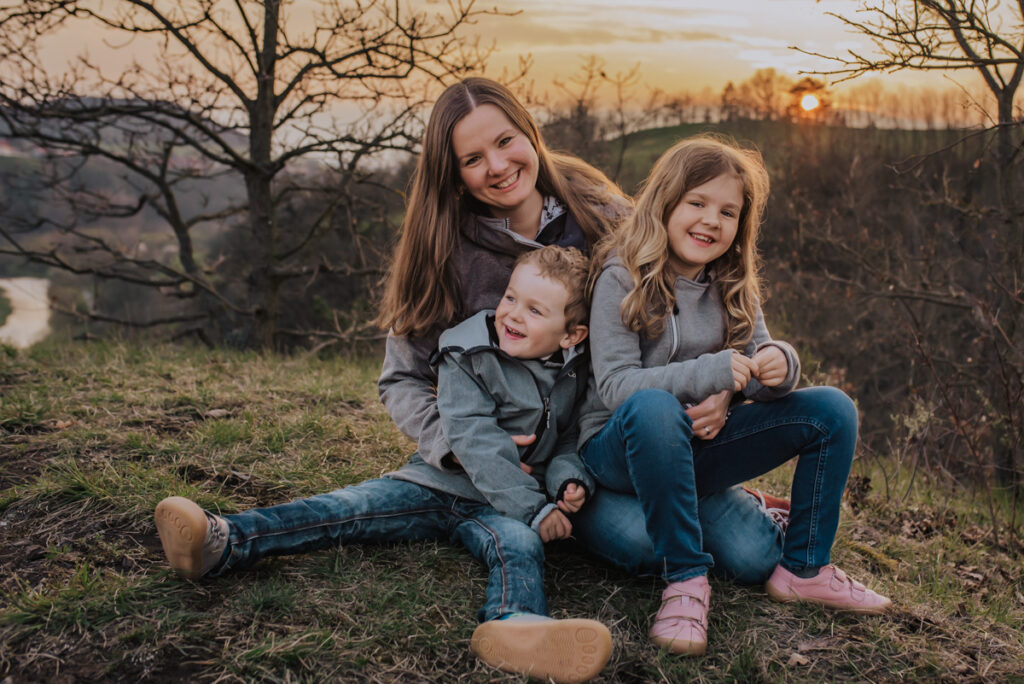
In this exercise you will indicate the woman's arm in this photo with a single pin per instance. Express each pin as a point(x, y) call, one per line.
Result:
point(408, 389)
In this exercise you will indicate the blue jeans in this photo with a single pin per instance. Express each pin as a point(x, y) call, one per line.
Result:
point(612, 526)
point(385, 510)
point(647, 449)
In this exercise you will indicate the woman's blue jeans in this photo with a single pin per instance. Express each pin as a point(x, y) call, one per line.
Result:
point(386, 510)
point(646, 451)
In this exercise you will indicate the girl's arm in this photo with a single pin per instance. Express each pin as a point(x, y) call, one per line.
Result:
point(755, 389)
point(615, 351)
point(408, 389)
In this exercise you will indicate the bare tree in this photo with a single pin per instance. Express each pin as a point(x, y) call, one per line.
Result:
point(981, 37)
point(241, 102)
point(960, 281)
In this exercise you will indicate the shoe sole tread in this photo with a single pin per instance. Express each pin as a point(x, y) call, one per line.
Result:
point(572, 650)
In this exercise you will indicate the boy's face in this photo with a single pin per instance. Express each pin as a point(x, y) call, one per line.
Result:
point(530, 320)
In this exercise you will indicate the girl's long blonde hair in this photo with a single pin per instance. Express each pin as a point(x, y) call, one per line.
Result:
point(642, 241)
point(422, 288)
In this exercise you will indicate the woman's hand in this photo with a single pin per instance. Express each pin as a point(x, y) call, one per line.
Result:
point(742, 369)
point(772, 368)
point(709, 415)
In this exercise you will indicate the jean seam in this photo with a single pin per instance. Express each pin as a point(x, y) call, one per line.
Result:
point(761, 427)
point(501, 559)
point(237, 538)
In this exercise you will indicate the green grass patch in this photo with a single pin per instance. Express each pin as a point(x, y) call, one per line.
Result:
point(96, 434)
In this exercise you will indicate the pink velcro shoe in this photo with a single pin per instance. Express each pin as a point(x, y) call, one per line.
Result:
point(830, 588)
point(681, 624)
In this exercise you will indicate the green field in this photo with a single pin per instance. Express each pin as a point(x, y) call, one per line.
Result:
point(93, 435)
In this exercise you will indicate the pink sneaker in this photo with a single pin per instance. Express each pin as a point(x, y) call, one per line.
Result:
point(830, 588)
point(681, 624)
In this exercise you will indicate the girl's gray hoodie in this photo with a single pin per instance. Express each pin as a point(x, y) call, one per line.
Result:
point(688, 359)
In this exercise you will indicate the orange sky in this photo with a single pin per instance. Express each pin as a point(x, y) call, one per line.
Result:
point(679, 45)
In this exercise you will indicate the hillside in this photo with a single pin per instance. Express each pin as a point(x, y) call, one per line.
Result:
point(92, 436)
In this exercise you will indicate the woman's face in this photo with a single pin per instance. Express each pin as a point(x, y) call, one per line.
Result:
point(496, 161)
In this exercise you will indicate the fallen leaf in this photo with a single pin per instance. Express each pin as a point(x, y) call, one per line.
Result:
point(217, 413)
point(797, 659)
point(815, 645)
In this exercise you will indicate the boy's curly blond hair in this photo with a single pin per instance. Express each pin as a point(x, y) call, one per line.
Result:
point(568, 266)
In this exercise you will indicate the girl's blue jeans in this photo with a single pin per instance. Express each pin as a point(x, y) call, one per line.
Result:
point(646, 451)
point(386, 510)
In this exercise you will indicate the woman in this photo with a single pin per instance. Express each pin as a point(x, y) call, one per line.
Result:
point(486, 189)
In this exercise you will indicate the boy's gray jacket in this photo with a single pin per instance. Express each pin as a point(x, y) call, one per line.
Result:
point(688, 359)
point(484, 256)
point(485, 396)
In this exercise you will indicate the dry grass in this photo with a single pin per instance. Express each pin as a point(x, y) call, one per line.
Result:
point(91, 437)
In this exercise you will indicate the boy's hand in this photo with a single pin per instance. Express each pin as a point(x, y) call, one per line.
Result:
point(742, 369)
point(709, 415)
point(554, 526)
point(572, 499)
point(771, 366)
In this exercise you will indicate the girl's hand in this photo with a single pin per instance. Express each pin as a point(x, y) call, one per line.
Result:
point(572, 499)
point(554, 526)
point(742, 369)
point(708, 416)
point(772, 368)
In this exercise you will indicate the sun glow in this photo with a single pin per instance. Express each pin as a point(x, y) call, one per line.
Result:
point(809, 102)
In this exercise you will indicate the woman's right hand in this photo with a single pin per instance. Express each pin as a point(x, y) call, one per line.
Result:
point(742, 368)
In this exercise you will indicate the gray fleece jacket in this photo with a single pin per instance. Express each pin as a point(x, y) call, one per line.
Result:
point(689, 359)
point(484, 396)
point(485, 254)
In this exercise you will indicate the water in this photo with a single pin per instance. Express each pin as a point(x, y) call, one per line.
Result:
point(29, 321)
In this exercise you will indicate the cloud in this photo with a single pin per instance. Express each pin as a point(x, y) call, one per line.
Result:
point(561, 27)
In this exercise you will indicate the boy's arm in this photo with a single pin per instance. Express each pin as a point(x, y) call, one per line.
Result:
point(615, 351)
point(485, 451)
point(566, 468)
point(407, 388)
point(754, 389)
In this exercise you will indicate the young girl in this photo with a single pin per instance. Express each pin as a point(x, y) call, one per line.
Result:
point(676, 318)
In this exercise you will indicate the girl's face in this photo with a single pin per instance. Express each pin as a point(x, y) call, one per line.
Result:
point(704, 223)
point(497, 163)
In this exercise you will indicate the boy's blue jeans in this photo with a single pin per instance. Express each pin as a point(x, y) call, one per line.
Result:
point(385, 510)
point(646, 452)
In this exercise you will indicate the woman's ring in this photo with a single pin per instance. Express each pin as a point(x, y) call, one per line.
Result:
point(707, 430)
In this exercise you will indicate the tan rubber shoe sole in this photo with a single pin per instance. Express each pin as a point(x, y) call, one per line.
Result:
point(573, 650)
point(182, 527)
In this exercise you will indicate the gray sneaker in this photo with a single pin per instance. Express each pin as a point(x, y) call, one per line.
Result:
point(193, 539)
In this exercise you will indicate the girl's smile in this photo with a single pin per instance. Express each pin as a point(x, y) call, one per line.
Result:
point(704, 224)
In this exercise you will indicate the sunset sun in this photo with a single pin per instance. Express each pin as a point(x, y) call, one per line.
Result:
point(809, 102)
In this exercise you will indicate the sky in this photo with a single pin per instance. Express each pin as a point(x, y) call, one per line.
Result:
point(678, 45)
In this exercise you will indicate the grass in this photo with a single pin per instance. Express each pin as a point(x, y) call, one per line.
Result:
point(93, 435)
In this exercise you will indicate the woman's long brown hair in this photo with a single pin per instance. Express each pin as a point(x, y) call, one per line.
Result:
point(421, 293)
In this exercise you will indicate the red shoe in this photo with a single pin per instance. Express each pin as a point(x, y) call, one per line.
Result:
point(830, 588)
point(681, 624)
point(774, 507)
